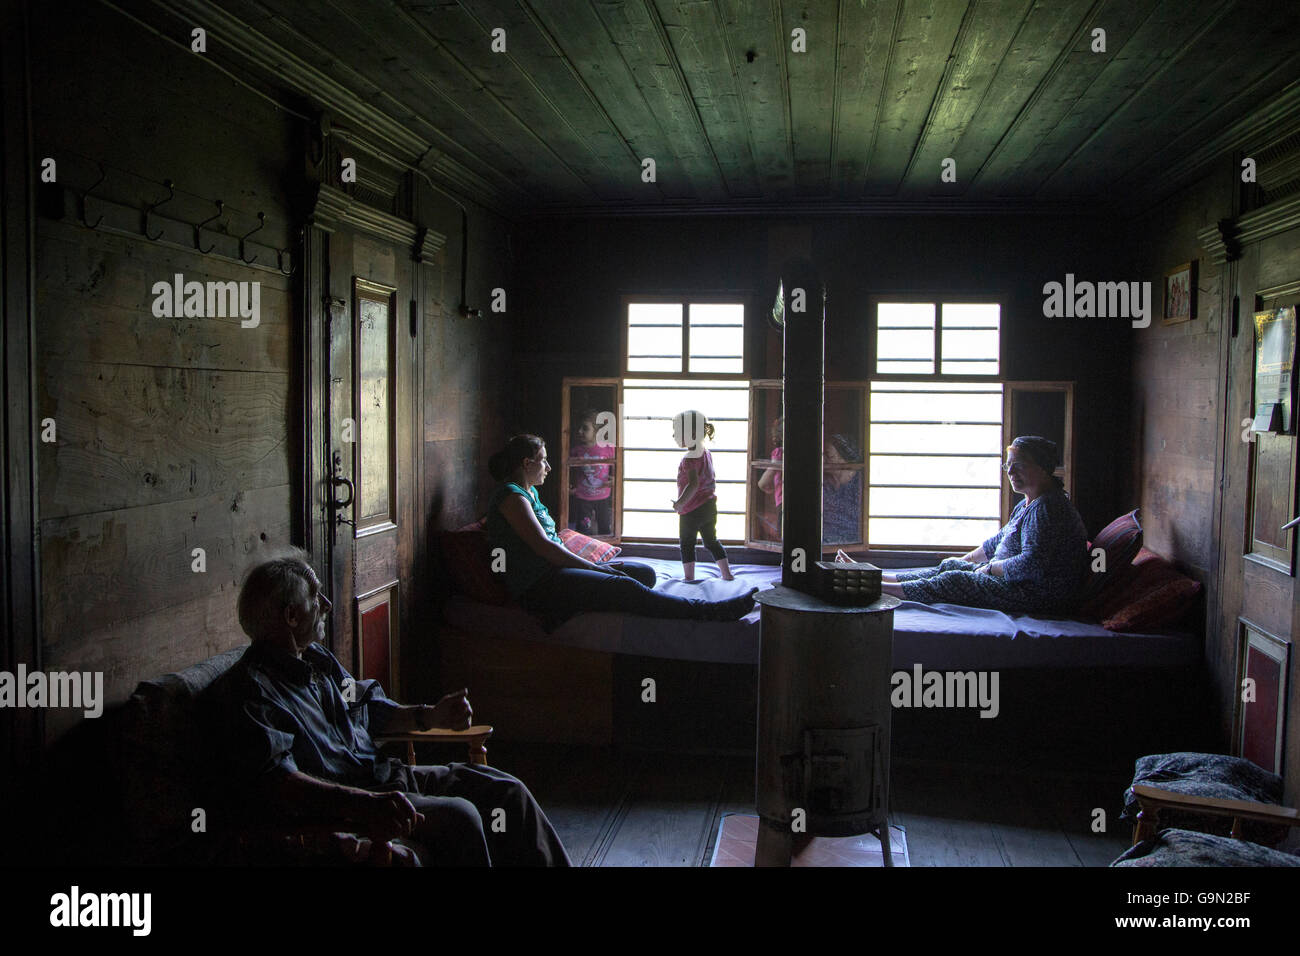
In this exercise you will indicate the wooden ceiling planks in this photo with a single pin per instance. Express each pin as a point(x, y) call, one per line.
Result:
point(927, 32)
point(708, 70)
point(751, 28)
point(1035, 52)
point(332, 42)
point(1005, 173)
point(593, 144)
point(734, 118)
point(453, 47)
point(1132, 58)
point(603, 68)
point(1213, 73)
point(987, 36)
point(812, 85)
point(1156, 76)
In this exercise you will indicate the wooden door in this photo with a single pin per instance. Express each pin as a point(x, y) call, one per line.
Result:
point(370, 454)
point(1259, 615)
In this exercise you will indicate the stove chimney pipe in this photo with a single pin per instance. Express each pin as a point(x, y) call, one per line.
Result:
point(803, 301)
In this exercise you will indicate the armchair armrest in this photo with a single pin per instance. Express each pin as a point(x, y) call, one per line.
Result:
point(1152, 800)
point(474, 737)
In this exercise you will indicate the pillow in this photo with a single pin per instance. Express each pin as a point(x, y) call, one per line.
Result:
point(1121, 540)
point(1157, 608)
point(1147, 572)
point(467, 560)
point(592, 549)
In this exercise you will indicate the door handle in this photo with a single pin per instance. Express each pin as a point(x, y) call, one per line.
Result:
point(337, 480)
point(1291, 524)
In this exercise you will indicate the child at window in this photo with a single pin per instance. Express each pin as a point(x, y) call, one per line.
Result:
point(590, 505)
point(696, 503)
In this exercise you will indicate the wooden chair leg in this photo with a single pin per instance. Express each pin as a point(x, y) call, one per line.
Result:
point(478, 754)
point(1145, 828)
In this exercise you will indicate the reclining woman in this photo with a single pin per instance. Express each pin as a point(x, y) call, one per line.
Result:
point(549, 579)
point(1035, 563)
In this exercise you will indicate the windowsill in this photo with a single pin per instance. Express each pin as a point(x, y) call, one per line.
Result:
point(738, 554)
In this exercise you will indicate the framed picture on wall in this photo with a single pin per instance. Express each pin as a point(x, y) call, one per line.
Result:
point(1260, 732)
point(1180, 293)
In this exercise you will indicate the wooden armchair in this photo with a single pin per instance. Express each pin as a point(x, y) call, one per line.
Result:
point(1153, 800)
point(474, 737)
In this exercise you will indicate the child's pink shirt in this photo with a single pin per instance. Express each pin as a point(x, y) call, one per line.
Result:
point(702, 465)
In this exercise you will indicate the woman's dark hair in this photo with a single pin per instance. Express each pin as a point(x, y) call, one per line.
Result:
point(1042, 452)
point(503, 464)
point(848, 450)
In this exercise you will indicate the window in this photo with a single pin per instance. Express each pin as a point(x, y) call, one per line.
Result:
point(692, 338)
point(935, 441)
point(678, 354)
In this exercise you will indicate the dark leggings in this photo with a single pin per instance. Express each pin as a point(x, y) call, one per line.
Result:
point(563, 592)
point(702, 521)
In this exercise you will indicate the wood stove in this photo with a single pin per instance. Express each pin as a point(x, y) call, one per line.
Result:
point(824, 669)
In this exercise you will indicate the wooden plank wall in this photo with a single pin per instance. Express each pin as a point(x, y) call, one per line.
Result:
point(172, 434)
point(1178, 408)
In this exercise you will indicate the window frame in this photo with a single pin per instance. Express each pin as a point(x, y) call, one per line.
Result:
point(938, 301)
point(566, 443)
point(686, 300)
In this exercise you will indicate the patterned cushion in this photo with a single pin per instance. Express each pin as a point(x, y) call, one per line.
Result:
point(467, 562)
point(1175, 847)
point(1208, 775)
point(1121, 540)
point(1156, 607)
point(592, 549)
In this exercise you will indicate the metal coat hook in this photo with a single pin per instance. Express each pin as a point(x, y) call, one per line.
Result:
point(171, 193)
point(261, 221)
point(198, 230)
point(279, 259)
point(86, 195)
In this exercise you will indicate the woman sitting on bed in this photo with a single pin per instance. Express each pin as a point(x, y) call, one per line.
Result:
point(1035, 563)
point(549, 579)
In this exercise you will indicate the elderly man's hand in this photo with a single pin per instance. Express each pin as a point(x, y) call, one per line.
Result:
point(453, 712)
point(384, 816)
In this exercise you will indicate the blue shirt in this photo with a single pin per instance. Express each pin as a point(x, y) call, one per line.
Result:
point(278, 712)
point(524, 566)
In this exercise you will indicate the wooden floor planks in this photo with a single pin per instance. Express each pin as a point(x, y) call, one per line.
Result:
point(620, 808)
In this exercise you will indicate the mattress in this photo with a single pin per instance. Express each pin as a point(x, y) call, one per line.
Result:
point(937, 636)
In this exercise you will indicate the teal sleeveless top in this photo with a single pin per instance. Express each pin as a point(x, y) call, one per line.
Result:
point(524, 566)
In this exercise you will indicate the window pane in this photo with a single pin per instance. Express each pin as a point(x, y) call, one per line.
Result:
point(953, 439)
point(654, 524)
point(935, 407)
point(717, 365)
point(936, 502)
point(961, 345)
point(968, 315)
point(654, 328)
point(717, 313)
point(904, 368)
point(651, 458)
point(655, 313)
point(916, 315)
point(930, 532)
point(893, 344)
point(910, 470)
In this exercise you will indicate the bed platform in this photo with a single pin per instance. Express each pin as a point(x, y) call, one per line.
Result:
point(1063, 683)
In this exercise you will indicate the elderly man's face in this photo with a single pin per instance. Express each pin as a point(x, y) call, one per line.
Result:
point(307, 621)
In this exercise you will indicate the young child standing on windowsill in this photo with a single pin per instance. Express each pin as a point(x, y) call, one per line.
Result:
point(696, 503)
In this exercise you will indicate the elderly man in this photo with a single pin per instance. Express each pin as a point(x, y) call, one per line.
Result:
point(296, 731)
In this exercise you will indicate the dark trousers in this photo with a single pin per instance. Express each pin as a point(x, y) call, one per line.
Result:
point(563, 592)
point(591, 517)
point(704, 522)
point(476, 815)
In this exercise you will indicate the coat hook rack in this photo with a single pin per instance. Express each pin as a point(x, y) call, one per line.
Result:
point(171, 192)
point(261, 221)
point(86, 195)
point(198, 230)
